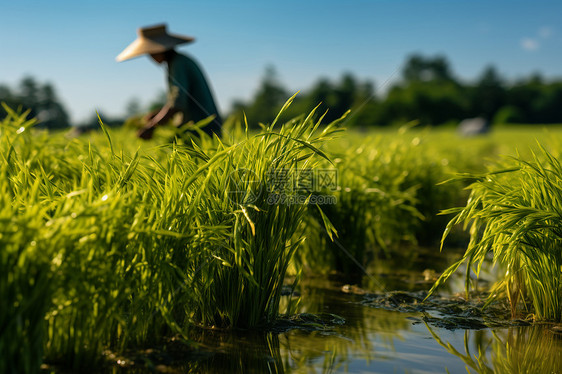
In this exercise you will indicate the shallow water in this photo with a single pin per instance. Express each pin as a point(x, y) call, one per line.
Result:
point(376, 340)
point(348, 329)
point(371, 340)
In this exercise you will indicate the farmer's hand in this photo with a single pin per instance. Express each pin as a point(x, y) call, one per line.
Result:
point(146, 132)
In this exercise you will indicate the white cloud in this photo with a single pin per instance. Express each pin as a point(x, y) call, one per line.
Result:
point(529, 44)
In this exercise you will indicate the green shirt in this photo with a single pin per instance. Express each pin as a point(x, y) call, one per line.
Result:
point(190, 93)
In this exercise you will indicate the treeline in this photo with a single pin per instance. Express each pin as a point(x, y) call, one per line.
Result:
point(39, 98)
point(427, 91)
point(43, 103)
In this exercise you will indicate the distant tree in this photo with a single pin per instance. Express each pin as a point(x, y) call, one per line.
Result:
point(414, 68)
point(523, 95)
point(547, 107)
point(5, 92)
point(420, 68)
point(335, 99)
point(356, 96)
point(428, 92)
point(28, 93)
point(489, 94)
point(7, 97)
point(133, 107)
point(41, 100)
point(50, 112)
point(347, 94)
point(440, 69)
point(430, 103)
point(322, 93)
point(267, 101)
point(366, 108)
point(325, 95)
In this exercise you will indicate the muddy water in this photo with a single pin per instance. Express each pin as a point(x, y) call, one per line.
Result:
point(372, 329)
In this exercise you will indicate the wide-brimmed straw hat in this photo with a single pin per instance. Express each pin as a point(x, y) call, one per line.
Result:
point(153, 39)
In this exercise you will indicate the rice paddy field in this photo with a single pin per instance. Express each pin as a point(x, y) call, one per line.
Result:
point(301, 248)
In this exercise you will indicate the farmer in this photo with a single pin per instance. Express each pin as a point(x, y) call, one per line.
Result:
point(189, 95)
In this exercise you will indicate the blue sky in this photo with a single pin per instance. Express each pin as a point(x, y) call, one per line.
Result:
point(73, 44)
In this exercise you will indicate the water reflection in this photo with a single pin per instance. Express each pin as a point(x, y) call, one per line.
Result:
point(412, 269)
point(372, 339)
point(235, 352)
point(525, 349)
point(368, 334)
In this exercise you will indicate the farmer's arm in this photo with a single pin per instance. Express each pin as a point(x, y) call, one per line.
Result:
point(163, 116)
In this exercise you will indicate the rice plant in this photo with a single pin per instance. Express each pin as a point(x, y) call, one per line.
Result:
point(515, 218)
point(25, 268)
point(241, 286)
point(388, 195)
point(107, 249)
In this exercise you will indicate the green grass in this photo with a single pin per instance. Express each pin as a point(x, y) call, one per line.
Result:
point(388, 196)
point(515, 216)
point(105, 249)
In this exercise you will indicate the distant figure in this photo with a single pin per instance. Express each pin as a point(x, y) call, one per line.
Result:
point(188, 91)
point(474, 126)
